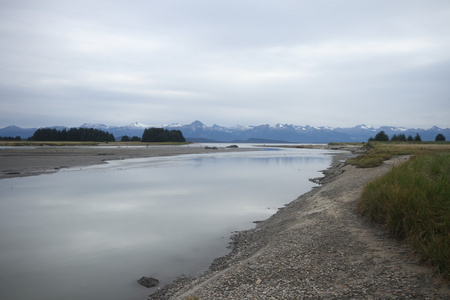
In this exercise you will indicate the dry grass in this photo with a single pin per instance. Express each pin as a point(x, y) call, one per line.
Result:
point(377, 152)
point(415, 148)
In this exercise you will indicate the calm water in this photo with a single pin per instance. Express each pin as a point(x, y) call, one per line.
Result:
point(90, 233)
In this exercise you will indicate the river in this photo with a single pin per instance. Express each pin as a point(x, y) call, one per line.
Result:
point(91, 232)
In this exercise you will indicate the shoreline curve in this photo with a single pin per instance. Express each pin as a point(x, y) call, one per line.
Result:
point(319, 247)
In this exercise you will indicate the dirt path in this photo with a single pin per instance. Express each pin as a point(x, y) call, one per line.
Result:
point(317, 247)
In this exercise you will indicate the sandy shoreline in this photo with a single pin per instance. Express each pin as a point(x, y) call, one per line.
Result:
point(29, 161)
point(316, 247)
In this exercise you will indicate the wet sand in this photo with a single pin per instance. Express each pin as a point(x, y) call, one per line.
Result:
point(29, 161)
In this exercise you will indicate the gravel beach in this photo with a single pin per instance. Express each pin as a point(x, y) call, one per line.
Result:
point(316, 247)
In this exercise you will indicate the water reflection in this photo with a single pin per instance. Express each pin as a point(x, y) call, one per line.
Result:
point(90, 233)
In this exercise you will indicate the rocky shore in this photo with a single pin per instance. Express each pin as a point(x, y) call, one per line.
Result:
point(316, 247)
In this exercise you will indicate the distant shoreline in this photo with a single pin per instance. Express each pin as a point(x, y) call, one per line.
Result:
point(36, 160)
point(31, 161)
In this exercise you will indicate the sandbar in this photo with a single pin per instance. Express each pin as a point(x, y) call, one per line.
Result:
point(29, 161)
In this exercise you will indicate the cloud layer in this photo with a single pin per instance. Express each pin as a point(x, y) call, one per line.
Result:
point(337, 63)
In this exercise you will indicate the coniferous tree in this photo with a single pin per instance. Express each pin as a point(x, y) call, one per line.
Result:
point(440, 138)
point(380, 137)
point(10, 138)
point(402, 138)
point(162, 135)
point(111, 137)
point(73, 134)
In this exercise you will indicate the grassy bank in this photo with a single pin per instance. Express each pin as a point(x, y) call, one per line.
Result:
point(377, 152)
point(413, 202)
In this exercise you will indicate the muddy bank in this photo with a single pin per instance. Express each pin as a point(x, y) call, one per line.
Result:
point(317, 247)
point(28, 161)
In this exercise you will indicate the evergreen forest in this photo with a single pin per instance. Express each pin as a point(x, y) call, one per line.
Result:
point(73, 135)
point(162, 135)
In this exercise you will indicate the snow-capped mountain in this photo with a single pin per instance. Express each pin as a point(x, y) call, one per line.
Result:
point(139, 125)
point(94, 125)
point(197, 131)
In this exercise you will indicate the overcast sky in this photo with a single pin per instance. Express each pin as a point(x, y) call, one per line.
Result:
point(248, 62)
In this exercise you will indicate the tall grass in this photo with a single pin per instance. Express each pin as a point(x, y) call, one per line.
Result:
point(413, 202)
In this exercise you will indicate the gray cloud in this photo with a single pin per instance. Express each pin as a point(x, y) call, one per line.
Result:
point(337, 63)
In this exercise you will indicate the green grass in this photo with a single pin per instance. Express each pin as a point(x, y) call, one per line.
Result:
point(377, 152)
point(369, 160)
point(344, 144)
point(413, 202)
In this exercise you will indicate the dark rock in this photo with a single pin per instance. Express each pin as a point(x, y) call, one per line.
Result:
point(148, 282)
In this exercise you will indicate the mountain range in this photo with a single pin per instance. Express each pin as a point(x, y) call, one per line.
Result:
point(279, 133)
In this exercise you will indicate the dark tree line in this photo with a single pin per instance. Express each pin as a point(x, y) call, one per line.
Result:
point(73, 134)
point(162, 135)
point(10, 138)
point(126, 138)
point(383, 137)
point(403, 138)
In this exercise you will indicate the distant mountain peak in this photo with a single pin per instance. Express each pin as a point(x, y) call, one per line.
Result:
point(13, 127)
point(365, 127)
point(197, 123)
point(174, 125)
point(280, 132)
point(139, 125)
point(94, 125)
